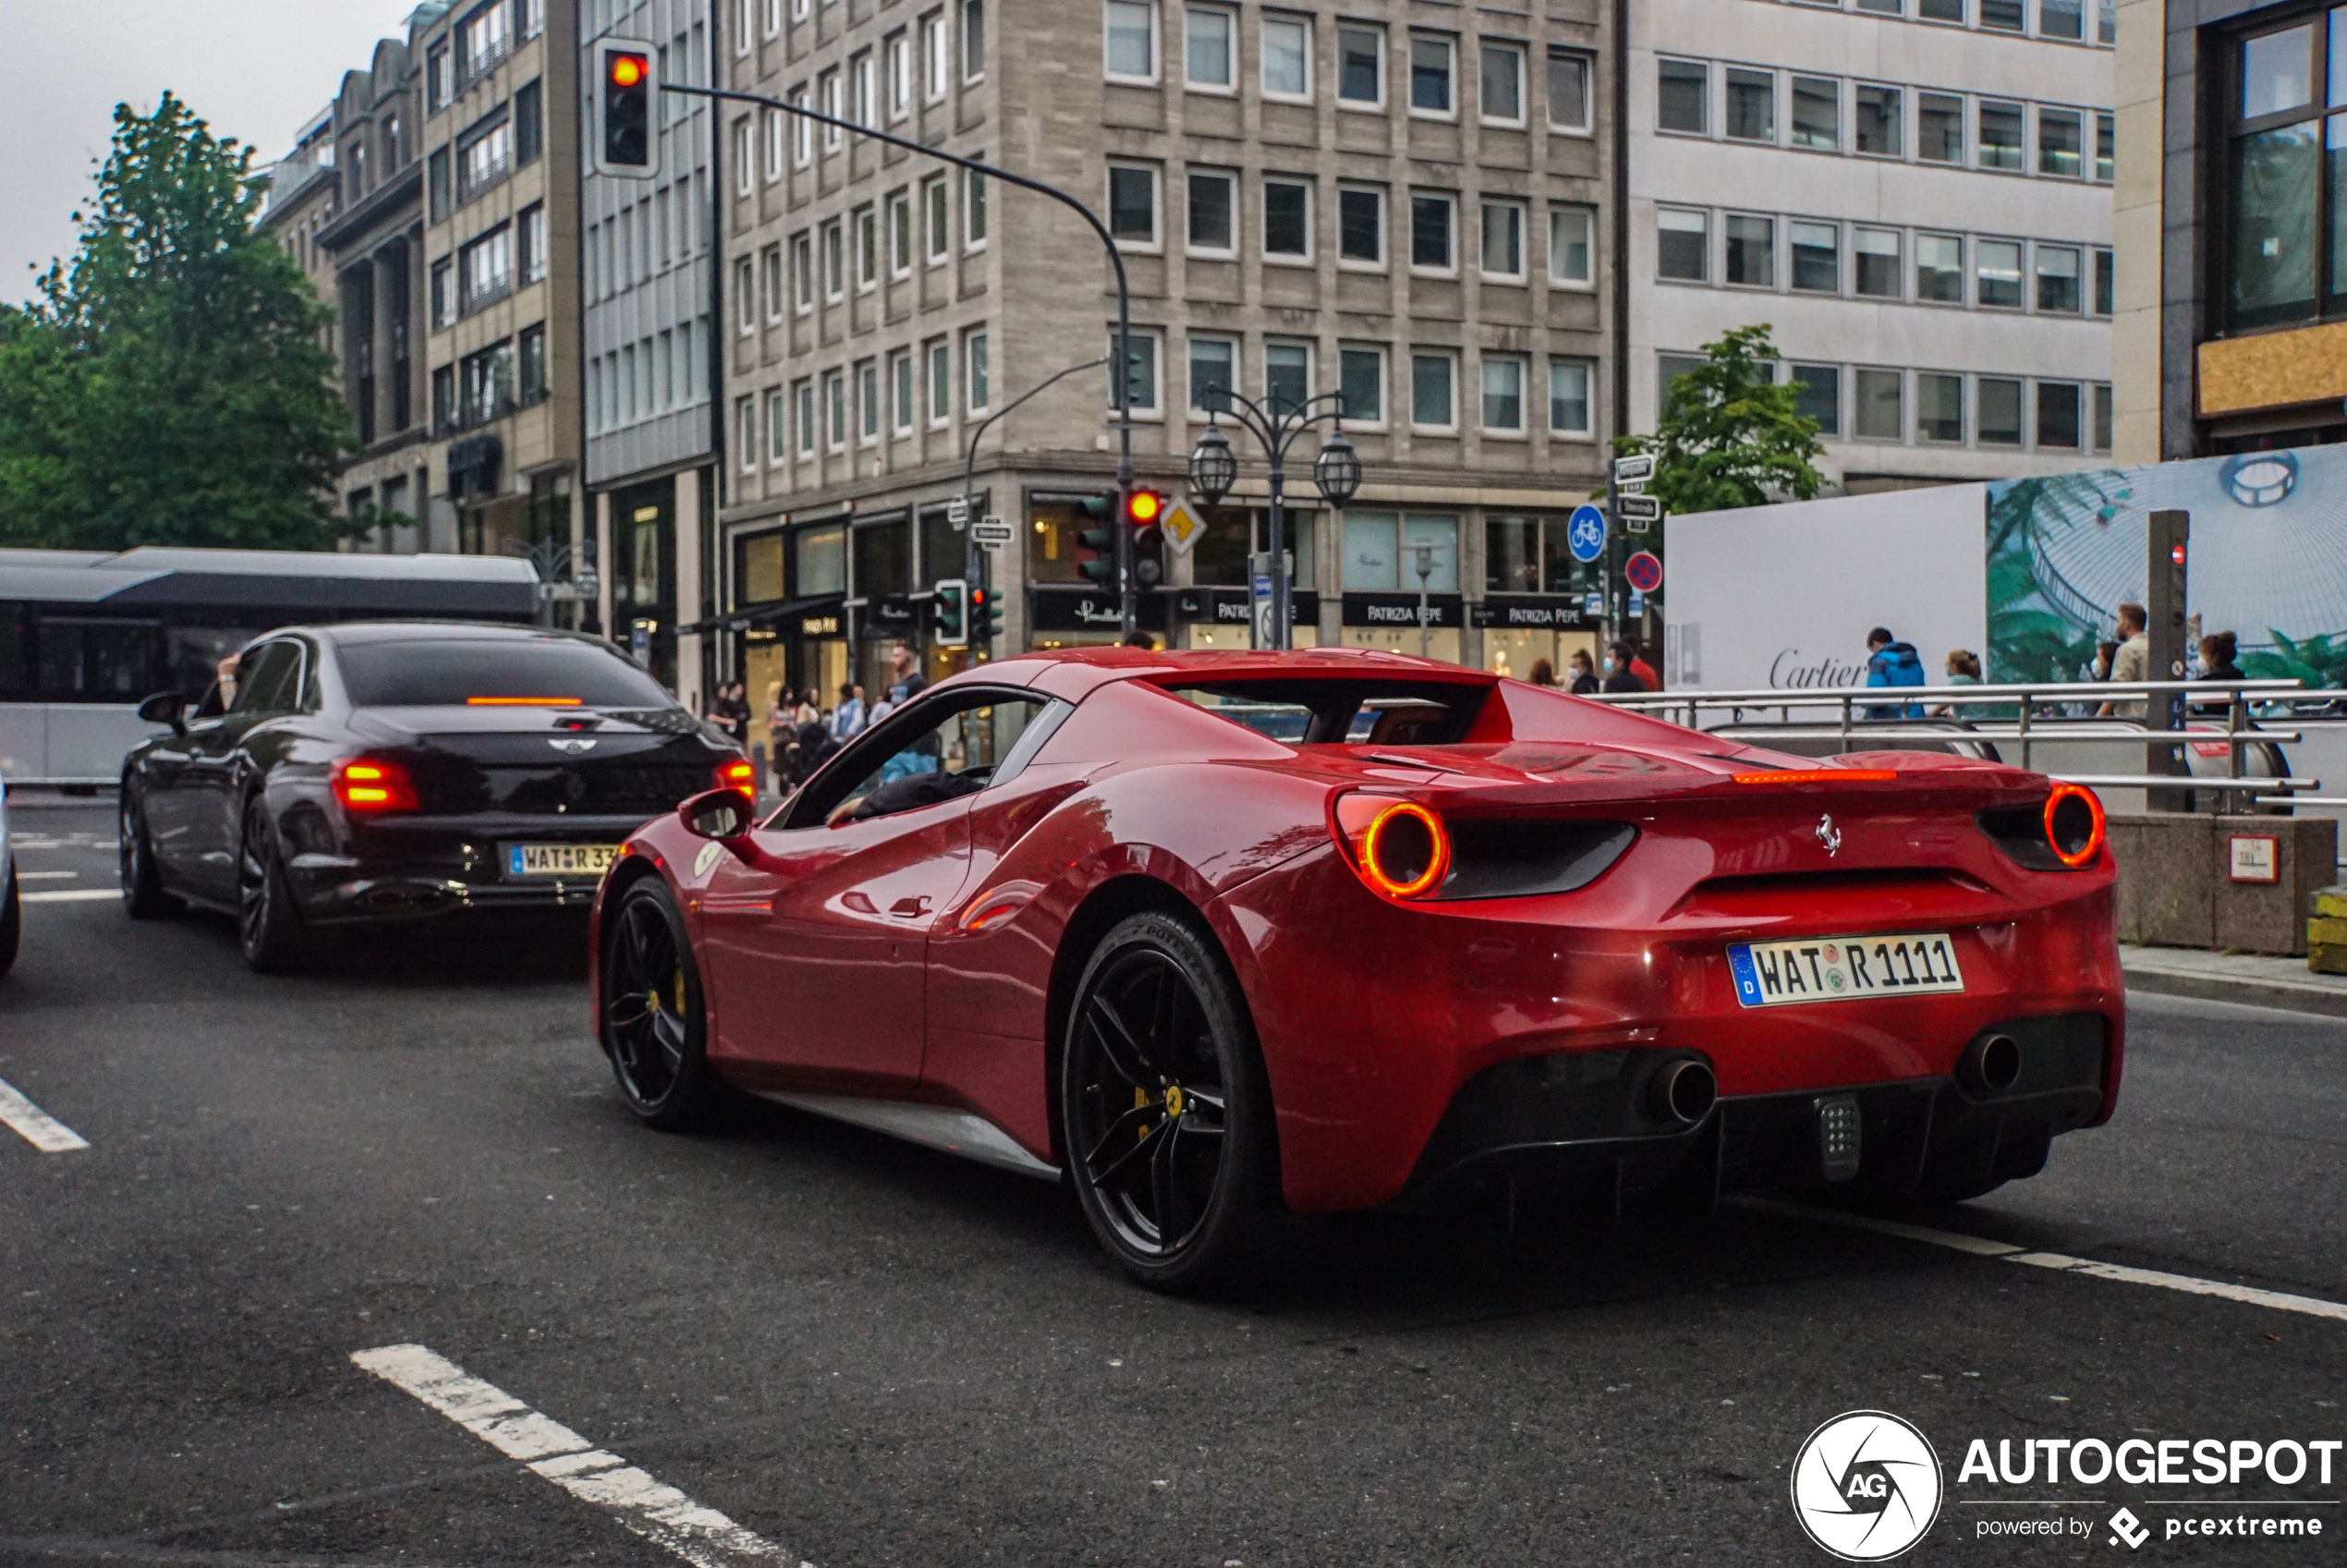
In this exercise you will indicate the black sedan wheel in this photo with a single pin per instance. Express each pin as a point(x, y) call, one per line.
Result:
point(268, 925)
point(654, 1025)
point(1166, 1114)
point(143, 894)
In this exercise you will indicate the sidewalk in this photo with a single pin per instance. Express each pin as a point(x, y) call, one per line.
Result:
point(2234, 976)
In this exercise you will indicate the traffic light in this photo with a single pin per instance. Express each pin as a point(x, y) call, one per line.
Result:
point(1099, 537)
point(953, 612)
point(985, 616)
point(629, 87)
point(1143, 508)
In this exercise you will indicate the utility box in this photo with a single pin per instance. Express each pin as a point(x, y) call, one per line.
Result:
point(2217, 882)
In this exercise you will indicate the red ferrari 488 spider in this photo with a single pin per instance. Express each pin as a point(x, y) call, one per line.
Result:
point(1225, 936)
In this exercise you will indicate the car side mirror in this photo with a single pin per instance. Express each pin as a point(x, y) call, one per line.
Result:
point(720, 814)
point(164, 707)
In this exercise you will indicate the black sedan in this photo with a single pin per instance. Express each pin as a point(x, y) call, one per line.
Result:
point(386, 770)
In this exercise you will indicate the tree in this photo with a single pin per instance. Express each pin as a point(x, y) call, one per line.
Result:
point(1729, 436)
point(169, 386)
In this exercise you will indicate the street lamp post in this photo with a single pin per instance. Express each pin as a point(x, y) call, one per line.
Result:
point(1214, 468)
point(974, 564)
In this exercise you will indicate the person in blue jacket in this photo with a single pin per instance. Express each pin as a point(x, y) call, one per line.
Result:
point(1892, 662)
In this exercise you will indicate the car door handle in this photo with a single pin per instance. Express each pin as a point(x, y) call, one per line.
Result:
point(910, 908)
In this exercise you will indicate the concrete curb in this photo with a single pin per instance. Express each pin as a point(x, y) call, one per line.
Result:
point(2308, 995)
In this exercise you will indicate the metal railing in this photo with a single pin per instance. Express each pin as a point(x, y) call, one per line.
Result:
point(2030, 712)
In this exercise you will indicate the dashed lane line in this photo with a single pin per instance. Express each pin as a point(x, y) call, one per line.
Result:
point(41, 1130)
point(71, 895)
point(1980, 1246)
point(659, 1514)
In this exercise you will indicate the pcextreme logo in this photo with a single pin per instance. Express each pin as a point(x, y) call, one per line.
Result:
point(1866, 1485)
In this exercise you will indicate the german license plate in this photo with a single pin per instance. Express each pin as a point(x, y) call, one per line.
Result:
point(558, 859)
point(1843, 968)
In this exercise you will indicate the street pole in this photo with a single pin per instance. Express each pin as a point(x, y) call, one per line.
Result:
point(973, 558)
point(1123, 374)
point(1277, 431)
point(1609, 625)
point(1425, 553)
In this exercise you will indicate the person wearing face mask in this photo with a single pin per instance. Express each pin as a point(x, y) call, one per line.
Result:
point(1619, 675)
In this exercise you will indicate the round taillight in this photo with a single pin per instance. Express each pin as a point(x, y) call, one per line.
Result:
point(1405, 851)
point(2073, 825)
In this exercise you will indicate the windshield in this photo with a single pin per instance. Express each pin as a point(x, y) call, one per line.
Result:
point(1342, 713)
point(554, 672)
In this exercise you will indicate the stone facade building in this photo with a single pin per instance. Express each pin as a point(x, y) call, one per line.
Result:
point(1391, 202)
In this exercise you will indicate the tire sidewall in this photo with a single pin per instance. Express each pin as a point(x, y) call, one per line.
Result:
point(689, 1093)
point(276, 946)
point(11, 920)
point(1246, 1194)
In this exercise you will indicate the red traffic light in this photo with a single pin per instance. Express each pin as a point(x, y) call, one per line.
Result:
point(628, 70)
point(1143, 507)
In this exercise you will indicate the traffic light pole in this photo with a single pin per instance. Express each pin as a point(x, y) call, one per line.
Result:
point(1121, 382)
point(973, 559)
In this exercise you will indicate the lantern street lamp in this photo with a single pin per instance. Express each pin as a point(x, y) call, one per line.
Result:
point(1214, 468)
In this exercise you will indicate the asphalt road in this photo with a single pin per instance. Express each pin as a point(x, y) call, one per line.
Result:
point(867, 1354)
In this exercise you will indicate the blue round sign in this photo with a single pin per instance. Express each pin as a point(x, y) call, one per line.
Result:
point(1584, 533)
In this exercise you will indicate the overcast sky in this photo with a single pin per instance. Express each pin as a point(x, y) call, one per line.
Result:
point(256, 69)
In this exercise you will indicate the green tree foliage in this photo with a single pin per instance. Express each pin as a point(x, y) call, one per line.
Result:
point(1729, 436)
point(168, 385)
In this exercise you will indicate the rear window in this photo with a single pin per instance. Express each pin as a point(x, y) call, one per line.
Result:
point(1342, 713)
point(557, 671)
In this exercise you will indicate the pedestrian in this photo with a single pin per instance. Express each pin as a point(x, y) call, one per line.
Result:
point(1964, 669)
point(1619, 675)
point(1892, 662)
point(1141, 641)
point(1543, 673)
point(906, 666)
point(730, 712)
point(847, 719)
point(811, 747)
point(2132, 660)
point(1648, 676)
point(1585, 673)
point(2218, 653)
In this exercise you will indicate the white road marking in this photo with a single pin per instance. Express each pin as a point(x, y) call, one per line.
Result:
point(41, 1130)
point(24, 876)
point(1980, 1246)
point(659, 1514)
point(71, 895)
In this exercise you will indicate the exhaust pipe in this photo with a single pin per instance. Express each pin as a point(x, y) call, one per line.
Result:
point(1682, 1093)
point(1990, 1065)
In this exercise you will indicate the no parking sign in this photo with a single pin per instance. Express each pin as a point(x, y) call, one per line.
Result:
point(1644, 571)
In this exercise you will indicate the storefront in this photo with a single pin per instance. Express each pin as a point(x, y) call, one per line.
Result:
point(1088, 617)
point(1523, 630)
point(643, 575)
point(1225, 617)
point(1406, 623)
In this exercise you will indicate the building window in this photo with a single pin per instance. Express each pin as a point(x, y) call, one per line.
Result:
point(1997, 276)
point(1288, 57)
point(1752, 251)
point(802, 131)
point(1817, 114)
point(1570, 244)
point(1568, 91)
point(973, 40)
point(482, 42)
point(863, 90)
point(868, 411)
point(974, 207)
point(444, 399)
point(977, 371)
point(1877, 113)
point(1751, 106)
point(529, 125)
point(745, 431)
point(1940, 269)
point(1817, 257)
point(934, 69)
point(485, 270)
point(1287, 376)
point(1360, 225)
point(2002, 16)
point(1875, 262)
point(866, 248)
point(941, 381)
point(1430, 232)
point(533, 365)
point(1881, 405)
point(1132, 205)
point(1130, 38)
point(1431, 404)
point(1940, 407)
point(436, 178)
point(802, 271)
point(770, 18)
point(2000, 137)
point(1569, 397)
point(436, 93)
point(1210, 47)
point(835, 262)
point(1360, 67)
point(900, 75)
point(773, 139)
point(900, 234)
point(745, 297)
point(1213, 367)
point(1999, 408)
point(1212, 208)
point(777, 429)
point(2059, 416)
point(772, 269)
point(2280, 207)
point(1287, 219)
point(941, 228)
point(483, 158)
point(900, 393)
point(1502, 84)
point(2063, 19)
point(1503, 240)
point(2105, 282)
point(2058, 283)
point(532, 224)
point(1818, 396)
point(486, 385)
point(1503, 393)
point(1141, 370)
point(835, 411)
point(1683, 245)
point(2102, 417)
point(1680, 88)
point(2060, 142)
point(803, 406)
point(444, 294)
point(1431, 76)
point(743, 164)
point(1361, 383)
point(1938, 128)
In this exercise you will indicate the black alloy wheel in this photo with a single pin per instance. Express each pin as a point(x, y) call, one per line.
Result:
point(654, 1024)
point(143, 894)
point(1166, 1114)
point(268, 925)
